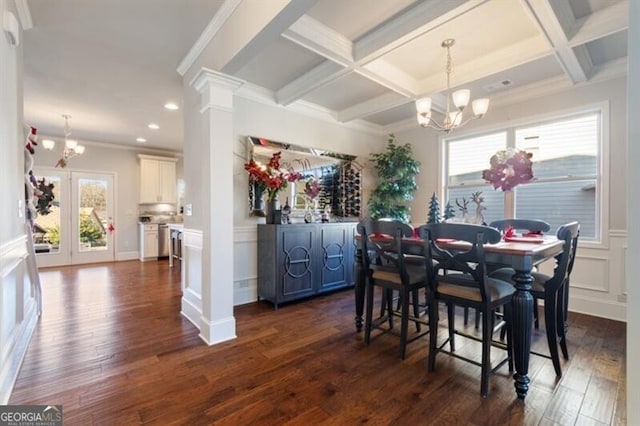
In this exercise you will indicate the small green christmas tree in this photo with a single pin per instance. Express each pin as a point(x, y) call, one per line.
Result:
point(434, 210)
point(449, 212)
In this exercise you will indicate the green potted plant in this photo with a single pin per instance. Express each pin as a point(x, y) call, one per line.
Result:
point(397, 170)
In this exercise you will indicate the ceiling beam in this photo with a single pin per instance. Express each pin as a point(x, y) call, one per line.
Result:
point(413, 22)
point(319, 76)
point(317, 37)
point(555, 23)
point(263, 37)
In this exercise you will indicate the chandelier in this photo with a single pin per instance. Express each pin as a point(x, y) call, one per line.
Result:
point(459, 98)
point(71, 147)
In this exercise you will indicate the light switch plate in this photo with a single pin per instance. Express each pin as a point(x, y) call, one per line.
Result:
point(188, 209)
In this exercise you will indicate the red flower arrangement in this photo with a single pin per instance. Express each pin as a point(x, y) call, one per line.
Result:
point(509, 168)
point(270, 177)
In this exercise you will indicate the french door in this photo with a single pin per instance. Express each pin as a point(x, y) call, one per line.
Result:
point(77, 228)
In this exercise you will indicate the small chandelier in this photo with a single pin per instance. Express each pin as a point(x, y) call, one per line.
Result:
point(71, 147)
point(460, 98)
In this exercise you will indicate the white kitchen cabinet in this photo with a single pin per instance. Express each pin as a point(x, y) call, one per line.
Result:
point(157, 179)
point(148, 234)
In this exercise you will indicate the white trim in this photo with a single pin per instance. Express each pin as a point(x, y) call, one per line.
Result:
point(20, 339)
point(24, 14)
point(307, 109)
point(618, 233)
point(598, 307)
point(245, 234)
point(12, 254)
point(126, 255)
point(213, 332)
point(218, 21)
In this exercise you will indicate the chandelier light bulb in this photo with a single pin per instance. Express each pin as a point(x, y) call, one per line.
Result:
point(48, 144)
point(480, 106)
point(79, 149)
point(461, 98)
point(71, 144)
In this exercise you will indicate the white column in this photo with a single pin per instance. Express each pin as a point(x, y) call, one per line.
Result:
point(633, 210)
point(217, 322)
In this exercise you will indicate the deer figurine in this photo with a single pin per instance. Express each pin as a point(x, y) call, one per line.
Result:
point(464, 209)
point(478, 199)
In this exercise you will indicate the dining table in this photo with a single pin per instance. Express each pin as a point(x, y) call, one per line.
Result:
point(521, 254)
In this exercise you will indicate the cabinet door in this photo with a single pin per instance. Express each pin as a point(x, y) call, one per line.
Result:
point(296, 272)
point(167, 179)
point(334, 260)
point(150, 244)
point(149, 183)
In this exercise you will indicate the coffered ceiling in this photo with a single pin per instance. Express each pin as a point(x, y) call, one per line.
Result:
point(112, 64)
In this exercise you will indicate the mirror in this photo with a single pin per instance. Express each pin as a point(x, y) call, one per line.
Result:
point(338, 176)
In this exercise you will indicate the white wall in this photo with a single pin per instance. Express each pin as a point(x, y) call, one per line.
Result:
point(18, 310)
point(597, 284)
point(124, 163)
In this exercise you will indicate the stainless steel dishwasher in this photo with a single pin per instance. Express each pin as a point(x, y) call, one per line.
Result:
point(163, 240)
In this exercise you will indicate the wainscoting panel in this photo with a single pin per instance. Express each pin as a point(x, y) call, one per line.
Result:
point(245, 285)
point(18, 311)
point(192, 275)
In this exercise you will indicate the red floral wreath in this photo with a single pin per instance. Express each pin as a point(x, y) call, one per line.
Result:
point(509, 168)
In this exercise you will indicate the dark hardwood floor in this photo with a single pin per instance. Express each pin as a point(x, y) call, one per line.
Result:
point(112, 348)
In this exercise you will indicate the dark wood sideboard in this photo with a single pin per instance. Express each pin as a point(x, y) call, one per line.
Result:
point(302, 260)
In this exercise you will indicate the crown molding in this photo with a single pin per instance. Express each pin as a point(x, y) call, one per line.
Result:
point(268, 97)
point(134, 148)
point(219, 19)
point(24, 14)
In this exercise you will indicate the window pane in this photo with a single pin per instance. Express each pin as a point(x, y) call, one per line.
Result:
point(46, 230)
point(469, 157)
point(493, 202)
point(92, 212)
point(559, 203)
point(563, 148)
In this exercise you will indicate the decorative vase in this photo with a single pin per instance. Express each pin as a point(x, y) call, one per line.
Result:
point(257, 208)
point(273, 212)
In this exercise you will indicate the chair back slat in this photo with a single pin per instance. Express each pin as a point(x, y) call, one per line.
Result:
point(532, 225)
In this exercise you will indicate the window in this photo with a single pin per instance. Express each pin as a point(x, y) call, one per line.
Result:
point(566, 167)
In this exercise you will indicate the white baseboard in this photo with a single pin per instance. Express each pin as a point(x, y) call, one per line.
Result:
point(126, 255)
point(598, 308)
point(213, 332)
point(190, 310)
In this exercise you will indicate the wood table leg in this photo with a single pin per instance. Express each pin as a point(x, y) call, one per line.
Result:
point(522, 324)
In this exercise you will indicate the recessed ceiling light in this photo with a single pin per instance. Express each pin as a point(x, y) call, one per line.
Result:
point(171, 106)
point(141, 140)
point(153, 126)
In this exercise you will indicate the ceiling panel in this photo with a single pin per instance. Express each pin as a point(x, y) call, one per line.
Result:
point(344, 92)
point(608, 48)
point(479, 32)
point(393, 115)
point(278, 64)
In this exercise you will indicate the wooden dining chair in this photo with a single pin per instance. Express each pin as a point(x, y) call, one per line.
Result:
point(554, 290)
point(457, 276)
point(386, 266)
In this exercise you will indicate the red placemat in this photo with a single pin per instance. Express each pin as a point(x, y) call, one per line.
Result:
point(535, 240)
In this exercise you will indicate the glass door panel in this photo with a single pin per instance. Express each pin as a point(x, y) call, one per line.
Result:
point(92, 214)
point(50, 231)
